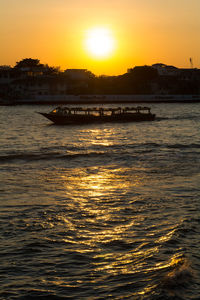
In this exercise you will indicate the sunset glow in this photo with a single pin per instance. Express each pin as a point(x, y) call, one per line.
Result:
point(105, 37)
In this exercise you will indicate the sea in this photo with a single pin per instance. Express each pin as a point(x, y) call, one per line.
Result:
point(100, 211)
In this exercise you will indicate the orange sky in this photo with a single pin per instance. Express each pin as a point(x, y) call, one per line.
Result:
point(145, 32)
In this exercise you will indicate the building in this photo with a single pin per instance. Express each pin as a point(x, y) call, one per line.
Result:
point(165, 70)
point(78, 74)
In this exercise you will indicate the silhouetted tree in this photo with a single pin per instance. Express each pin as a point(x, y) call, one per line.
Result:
point(28, 62)
point(51, 70)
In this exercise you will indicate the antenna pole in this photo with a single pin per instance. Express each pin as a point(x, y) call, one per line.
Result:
point(191, 63)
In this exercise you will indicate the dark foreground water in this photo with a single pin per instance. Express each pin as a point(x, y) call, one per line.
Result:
point(108, 211)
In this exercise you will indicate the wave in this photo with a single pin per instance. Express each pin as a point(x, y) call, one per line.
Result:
point(180, 276)
point(46, 156)
point(184, 146)
point(186, 117)
point(34, 294)
point(94, 151)
point(179, 117)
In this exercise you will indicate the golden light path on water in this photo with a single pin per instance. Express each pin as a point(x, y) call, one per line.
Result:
point(95, 193)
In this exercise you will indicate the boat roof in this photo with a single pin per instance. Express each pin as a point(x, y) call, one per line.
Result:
point(137, 108)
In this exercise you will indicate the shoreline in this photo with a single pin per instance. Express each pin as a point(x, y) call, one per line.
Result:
point(101, 99)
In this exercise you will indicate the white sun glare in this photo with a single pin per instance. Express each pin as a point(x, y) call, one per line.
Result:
point(99, 42)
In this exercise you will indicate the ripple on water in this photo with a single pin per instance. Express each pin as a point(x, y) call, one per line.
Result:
point(107, 211)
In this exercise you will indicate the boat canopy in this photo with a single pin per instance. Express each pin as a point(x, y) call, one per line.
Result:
point(100, 110)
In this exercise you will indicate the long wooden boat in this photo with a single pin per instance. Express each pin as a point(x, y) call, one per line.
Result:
point(80, 115)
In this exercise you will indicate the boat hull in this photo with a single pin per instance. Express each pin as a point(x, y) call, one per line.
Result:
point(90, 119)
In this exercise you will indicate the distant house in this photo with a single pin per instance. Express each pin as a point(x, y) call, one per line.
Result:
point(29, 67)
point(32, 71)
point(78, 74)
point(190, 74)
point(165, 70)
point(5, 74)
point(78, 80)
point(40, 86)
point(6, 77)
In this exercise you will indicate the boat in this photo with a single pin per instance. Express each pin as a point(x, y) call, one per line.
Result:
point(80, 115)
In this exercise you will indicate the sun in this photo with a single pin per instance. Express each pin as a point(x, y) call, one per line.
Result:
point(99, 42)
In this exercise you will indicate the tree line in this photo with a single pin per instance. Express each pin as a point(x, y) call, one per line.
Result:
point(138, 80)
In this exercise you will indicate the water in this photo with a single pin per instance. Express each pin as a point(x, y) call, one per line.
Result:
point(108, 211)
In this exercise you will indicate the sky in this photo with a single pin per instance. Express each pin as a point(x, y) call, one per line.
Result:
point(144, 32)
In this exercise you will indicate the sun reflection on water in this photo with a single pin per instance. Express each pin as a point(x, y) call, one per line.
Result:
point(98, 195)
point(103, 136)
point(108, 216)
point(94, 182)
